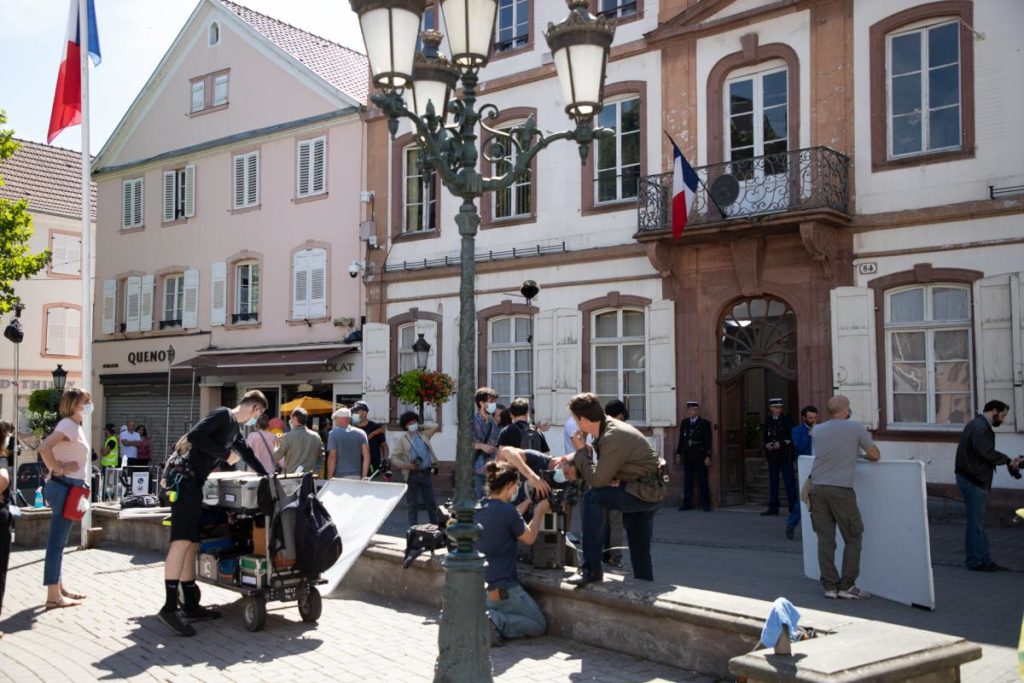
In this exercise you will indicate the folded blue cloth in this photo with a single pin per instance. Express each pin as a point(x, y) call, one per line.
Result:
point(783, 614)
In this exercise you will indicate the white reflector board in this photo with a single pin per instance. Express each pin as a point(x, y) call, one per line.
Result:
point(895, 557)
point(359, 509)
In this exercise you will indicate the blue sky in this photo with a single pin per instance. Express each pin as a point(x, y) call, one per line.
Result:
point(134, 34)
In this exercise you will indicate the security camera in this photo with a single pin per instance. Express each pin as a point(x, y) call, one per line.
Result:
point(354, 268)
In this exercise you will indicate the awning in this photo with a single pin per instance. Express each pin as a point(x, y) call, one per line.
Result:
point(265, 362)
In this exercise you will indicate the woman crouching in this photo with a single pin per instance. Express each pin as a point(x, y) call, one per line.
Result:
point(510, 609)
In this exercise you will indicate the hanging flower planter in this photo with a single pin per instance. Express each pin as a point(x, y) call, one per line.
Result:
point(422, 386)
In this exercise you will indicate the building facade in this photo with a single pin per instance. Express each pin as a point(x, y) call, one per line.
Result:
point(50, 178)
point(228, 217)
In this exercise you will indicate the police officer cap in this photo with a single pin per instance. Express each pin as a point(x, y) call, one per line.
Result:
point(693, 404)
point(360, 405)
point(775, 402)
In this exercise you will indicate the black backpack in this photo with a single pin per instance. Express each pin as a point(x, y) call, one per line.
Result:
point(317, 541)
point(532, 439)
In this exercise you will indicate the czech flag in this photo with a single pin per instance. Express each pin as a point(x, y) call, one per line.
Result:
point(67, 99)
point(684, 188)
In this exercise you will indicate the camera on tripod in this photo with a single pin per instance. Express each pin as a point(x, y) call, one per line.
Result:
point(551, 548)
point(564, 494)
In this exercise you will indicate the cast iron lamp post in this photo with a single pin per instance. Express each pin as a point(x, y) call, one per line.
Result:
point(418, 87)
point(421, 347)
point(60, 378)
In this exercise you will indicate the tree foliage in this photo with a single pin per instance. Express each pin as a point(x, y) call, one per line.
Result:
point(16, 263)
point(43, 415)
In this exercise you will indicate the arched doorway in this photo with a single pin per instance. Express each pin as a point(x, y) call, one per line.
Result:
point(757, 360)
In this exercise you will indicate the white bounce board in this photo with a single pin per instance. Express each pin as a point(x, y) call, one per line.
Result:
point(895, 558)
point(359, 509)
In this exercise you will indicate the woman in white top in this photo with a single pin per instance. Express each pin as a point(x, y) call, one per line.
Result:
point(66, 455)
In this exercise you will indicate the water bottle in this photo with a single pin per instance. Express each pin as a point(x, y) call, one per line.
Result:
point(39, 498)
point(124, 461)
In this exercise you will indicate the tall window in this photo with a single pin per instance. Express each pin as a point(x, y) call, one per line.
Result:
point(309, 288)
point(516, 200)
point(66, 253)
point(312, 167)
point(923, 84)
point(618, 157)
point(179, 193)
point(420, 194)
point(510, 366)
point(928, 344)
point(513, 25)
point(132, 215)
point(63, 331)
point(617, 8)
point(247, 292)
point(620, 359)
point(757, 118)
point(246, 180)
point(174, 300)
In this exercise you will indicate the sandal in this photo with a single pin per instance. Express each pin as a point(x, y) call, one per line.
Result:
point(60, 604)
point(72, 596)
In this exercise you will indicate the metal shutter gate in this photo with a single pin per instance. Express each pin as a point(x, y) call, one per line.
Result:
point(147, 404)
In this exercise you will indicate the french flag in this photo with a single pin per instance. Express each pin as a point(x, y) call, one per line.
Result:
point(684, 188)
point(67, 98)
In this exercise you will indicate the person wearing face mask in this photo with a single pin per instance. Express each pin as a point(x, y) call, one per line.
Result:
point(215, 438)
point(485, 435)
point(375, 433)
point(348, 449)
point(66, 454)
point(414, 457)
point(300, 447)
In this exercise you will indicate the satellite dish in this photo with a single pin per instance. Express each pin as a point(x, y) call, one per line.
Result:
point(725, 190)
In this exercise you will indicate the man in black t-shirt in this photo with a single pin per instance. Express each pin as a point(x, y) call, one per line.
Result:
point(521, 434)
point(212, 440)
point(375, 434)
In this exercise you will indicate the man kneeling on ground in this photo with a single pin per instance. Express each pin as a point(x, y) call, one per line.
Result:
point(621, 470)
point(510, 609)
point(212, 440)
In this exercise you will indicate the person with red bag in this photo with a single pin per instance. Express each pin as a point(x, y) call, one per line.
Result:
point(65, 453)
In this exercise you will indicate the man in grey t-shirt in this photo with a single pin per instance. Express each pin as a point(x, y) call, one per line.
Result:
point(348, 449)
point(836, 445)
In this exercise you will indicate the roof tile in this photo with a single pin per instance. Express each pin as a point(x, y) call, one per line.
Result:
point(50, 178)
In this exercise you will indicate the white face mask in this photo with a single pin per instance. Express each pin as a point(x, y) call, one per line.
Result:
point(491, 408)
point(413, 427)
point(559, 475)
point(87, 409)
point(356, 418)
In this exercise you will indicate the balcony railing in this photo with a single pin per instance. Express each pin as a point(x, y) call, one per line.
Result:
point(798, 180)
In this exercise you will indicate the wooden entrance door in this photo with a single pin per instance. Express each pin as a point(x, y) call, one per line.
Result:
point(730, 411)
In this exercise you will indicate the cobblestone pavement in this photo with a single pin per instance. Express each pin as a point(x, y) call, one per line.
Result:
point(114, 636)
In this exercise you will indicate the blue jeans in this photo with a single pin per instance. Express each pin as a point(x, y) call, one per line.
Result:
point(975, 537)
point(516, 616)
point(60, 528)
point(637, 520)
point(788, 479)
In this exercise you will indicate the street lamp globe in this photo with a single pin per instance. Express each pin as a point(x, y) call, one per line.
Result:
point(421, 347)
point(579, 47)
point(469, 26)
point(389, 30)
point(60, 377)
point(433, 79)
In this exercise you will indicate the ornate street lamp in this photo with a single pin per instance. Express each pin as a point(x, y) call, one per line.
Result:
point(60, 377)
point(421, 347)
point(446, 130)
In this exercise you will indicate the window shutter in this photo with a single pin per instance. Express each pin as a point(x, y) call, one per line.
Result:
point(318, 283)
point(660, 367)
point(170, 180)
point(543, 368)
point(58, 254)
point(109, 310)
point(133, 304)
point(997, 334)
point(73, 255)
point(854, 369)
point(190, 191)
point(190, 306)
point(239, 184)
point(305, 150)
point(566, 369)
point(146, 314)
point(252, 180)
point(72, 331)
point(300, 288)
point(376, 368)
point(198, 95)
point(137, 199)
point(220, 90)
point(55, 332)
point(126, 204)
point(319, 170)
point(218, 293)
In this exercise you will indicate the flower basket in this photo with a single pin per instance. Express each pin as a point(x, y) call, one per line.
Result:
point(422, 386)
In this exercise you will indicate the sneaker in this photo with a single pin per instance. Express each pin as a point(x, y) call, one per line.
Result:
point(854, 593)
point(174, 620)
point(495, 635)
point(200, 614)
point(790, 532)
point(832, 595)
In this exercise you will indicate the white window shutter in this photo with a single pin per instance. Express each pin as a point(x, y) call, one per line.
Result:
point(58, 254)
point(376, 368)
point(126, 204)
point(318, 182)
point(252, 181)
point(72, 331)
point(854, 369)
point(170, 195)
point(566, 369)
point(55, 331)
point(137, 203)
point(190, 191)
point(220, 90)
point(238, 193)
point(198, 95)
point(133, 304)
point(543, 368)
point(190, 305)
point(300, 285)
point(997, 335)
point(305, 161)
point(218, 293)
point(73, 255)
point(318, 283)
point(660, 369)
point(146, 305)
point(109, 310)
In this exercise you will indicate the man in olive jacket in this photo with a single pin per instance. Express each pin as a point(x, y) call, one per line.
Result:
point(621, 472)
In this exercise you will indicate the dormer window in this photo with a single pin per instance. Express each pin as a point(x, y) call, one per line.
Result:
point(214, 34)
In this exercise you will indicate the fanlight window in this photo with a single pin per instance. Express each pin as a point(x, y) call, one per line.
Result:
point(759, 333)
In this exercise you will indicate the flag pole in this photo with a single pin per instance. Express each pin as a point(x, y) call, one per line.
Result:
point(702, 183)
point(87, 261)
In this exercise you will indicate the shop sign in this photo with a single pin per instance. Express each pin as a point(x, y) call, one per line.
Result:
point(139, 357)
point(31, 384)
point(339, 367)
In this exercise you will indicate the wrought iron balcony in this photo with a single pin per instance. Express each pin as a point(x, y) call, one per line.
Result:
point(798, 180)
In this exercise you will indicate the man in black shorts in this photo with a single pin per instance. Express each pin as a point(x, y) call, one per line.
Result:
point(212, 440)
